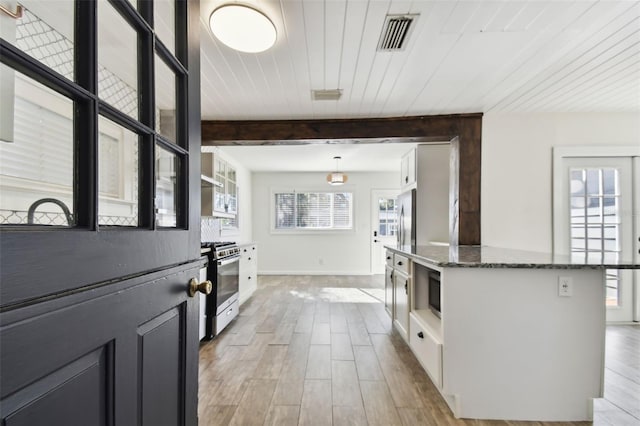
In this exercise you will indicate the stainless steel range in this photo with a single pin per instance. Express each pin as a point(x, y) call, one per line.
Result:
point(222, 304)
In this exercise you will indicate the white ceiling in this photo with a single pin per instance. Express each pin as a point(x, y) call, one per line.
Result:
point(381, 157)
point(462, 56)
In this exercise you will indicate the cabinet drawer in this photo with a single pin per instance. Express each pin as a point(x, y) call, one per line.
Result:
point(427, 350)
point(401, 263)
point(248, 259)
point(389, 258)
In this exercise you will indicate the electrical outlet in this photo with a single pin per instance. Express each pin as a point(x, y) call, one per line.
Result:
point(565, 286)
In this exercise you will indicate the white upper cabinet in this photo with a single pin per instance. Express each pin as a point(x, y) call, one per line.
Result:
point(408, 170)
point(219, 187)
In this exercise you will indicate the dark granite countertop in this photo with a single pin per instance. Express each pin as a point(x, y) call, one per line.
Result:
point(494, 257)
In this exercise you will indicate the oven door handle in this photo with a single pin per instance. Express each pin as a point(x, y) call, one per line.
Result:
point(228, 261)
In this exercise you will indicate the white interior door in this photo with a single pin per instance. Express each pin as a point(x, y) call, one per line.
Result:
point(384, 224)
point(595, 221)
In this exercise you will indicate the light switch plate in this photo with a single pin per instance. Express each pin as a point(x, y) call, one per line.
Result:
point(565, 286)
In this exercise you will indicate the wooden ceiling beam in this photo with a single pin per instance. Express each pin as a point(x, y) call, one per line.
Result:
point(428, 128)
point(464, 131)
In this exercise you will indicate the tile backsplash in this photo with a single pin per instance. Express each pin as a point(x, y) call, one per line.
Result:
point(209, 229)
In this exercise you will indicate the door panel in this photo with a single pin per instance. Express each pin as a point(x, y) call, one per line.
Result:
point(74, 394)
point(401, 299)
point(84, 350)
point(160, 365)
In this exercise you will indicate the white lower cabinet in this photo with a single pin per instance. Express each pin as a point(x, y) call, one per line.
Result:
point(427, 349)
point(401, 302)
point(248, 270)
point(388, 290)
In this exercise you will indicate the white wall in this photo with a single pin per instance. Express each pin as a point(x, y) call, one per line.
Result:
point(517, 169)
point(210, 229)
point(336, 252)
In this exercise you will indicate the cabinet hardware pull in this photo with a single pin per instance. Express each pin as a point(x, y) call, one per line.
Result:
point(421, 335)
point(388, 257)
point(249, 258)
point(400, 263)
point(406, 287)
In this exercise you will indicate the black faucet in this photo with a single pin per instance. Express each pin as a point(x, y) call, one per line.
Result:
point(63, 206)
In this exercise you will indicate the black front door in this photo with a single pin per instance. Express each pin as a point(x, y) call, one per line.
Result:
point(99, 165)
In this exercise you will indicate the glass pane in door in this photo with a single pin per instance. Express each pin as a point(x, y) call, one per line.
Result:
point(595, 221)
point(166, 188)
point(45, 31)
point(37, 162)
point(118, 176)
point(165, 100)
point(117, 60)
point(387, 217)
point(164, 22)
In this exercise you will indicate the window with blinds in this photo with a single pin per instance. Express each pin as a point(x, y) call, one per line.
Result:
point(314, 210)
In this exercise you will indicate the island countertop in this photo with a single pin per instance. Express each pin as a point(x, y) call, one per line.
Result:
point(495, 257)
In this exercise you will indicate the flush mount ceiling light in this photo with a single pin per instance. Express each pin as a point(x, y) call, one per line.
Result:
point(243, 28)
point(336, 178)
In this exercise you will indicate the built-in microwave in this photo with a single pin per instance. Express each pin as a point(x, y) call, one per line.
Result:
point(434, 292)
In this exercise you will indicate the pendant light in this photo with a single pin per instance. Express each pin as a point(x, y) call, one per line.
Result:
point(337, 177)
point(243, 28)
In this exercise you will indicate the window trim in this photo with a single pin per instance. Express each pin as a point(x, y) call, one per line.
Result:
point(311, 231)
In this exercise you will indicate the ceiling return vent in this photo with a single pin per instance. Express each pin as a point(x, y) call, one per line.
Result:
point(326, 95)
point(395, 32)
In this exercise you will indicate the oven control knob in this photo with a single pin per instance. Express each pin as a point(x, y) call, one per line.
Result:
point(204, 287)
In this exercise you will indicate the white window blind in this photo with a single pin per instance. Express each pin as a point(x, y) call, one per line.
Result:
point(109, 156)
point(43, 149)
point(314, 210)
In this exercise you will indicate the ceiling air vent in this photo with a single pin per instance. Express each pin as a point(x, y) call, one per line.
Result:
point(395, 32)
point(326, 95)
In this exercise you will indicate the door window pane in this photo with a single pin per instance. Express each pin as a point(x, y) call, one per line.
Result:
point(118, 177)
point(166, 188)
point(36, 163)
point(45, 32)
point(164, 18)
point(595, 217)
point(165, 100)
point(387, 217)
point(117, 60)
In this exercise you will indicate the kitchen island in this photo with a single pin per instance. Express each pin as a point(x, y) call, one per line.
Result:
point(514, 335)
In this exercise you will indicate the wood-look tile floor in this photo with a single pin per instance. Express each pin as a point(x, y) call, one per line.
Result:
point(320, 350)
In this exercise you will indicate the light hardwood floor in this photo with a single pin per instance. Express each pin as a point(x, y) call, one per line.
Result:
point(320, 350)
